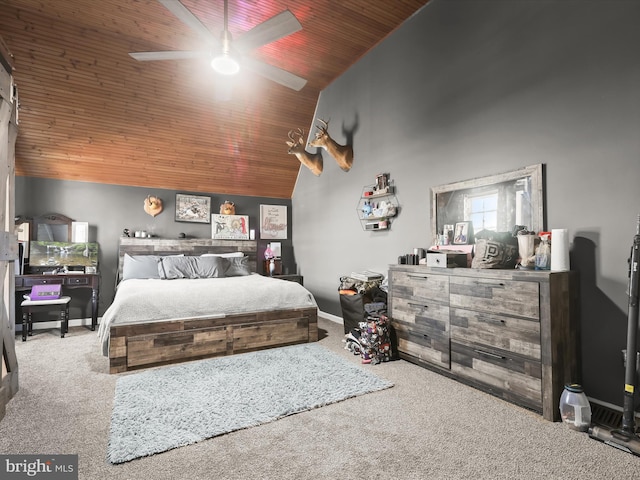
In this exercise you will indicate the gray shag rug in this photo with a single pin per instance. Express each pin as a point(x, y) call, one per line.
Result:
point(168, 407)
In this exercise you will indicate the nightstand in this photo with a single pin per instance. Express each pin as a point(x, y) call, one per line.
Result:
point(291, 278)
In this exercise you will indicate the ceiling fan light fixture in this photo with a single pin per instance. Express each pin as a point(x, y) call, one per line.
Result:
point(230, 59)
point(225, 64)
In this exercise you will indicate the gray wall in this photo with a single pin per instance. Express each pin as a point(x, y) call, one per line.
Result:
point(469, 88)
point(110, 209)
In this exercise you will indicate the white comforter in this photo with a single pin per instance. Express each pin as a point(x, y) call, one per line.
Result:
point(139, 301)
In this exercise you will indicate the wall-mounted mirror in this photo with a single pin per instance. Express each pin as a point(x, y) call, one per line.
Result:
point(496, 202)
point(52, 227)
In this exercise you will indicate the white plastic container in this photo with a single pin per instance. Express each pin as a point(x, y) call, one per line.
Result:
point(575, 409)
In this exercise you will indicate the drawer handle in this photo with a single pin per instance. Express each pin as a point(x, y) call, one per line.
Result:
point(488, 354)
point(417, 305)
point(490, 284)
point(418, 276)
point(494, 321)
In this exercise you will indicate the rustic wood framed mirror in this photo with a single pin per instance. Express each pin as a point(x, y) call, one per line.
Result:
point(52, 227)
point(495, 202)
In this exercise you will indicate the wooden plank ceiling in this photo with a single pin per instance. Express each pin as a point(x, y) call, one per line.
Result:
point(90, 112)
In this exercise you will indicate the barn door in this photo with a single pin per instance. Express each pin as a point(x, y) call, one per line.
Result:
point(8, 239)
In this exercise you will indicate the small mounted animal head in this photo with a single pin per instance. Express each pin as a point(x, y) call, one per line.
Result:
point(228, 208)
point(313, 161)
point(343, 154)
point(152, 205)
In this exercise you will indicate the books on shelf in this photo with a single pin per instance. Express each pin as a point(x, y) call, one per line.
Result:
point(366, 276)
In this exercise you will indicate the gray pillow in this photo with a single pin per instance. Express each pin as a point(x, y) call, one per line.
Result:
point(238, 267)
point(170, 268)
point(140, 266)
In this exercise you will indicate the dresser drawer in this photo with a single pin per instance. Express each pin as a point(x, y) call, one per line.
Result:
point(512, 377)
point(419, 284)
point(77, 281)
point(428, 314)
point(30, 282)
point(496, 295)
point(424, 343)
point(515, 335)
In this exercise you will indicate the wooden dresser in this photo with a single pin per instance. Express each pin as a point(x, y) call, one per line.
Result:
point(511, 333)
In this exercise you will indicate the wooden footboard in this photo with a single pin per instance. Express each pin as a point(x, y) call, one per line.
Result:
point(140, 345)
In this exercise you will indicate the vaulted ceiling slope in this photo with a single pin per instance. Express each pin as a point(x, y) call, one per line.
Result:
point(90, 112)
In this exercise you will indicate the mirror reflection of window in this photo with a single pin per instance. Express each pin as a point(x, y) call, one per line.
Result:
point(482, 211)
point(524, 211)
point(52, 233)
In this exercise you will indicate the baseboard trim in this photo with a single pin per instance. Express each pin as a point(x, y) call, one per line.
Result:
point(328, 316)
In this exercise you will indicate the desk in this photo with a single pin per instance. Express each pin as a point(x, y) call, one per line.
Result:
point(67, 280)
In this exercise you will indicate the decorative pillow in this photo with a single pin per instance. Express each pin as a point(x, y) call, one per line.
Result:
point(140, 266)
point(238, 267)
point(170, 268)
point(495, 250)
point(223, 255)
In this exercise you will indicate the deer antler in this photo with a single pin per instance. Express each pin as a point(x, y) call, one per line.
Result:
point(343, 154)
point(313, 161)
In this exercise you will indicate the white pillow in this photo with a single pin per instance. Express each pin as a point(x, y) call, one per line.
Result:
point(223, 255)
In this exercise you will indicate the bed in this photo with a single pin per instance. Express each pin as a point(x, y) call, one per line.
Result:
point(207, 300)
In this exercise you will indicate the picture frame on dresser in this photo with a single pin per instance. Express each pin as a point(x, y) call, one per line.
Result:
point(462, 233)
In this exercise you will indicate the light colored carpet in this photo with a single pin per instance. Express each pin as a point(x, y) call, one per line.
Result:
point(426, 427)
point(168, 407)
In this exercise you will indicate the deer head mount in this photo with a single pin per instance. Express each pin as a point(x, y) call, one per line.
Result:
point(343, 154)
point(313, 161)
point(152, 205)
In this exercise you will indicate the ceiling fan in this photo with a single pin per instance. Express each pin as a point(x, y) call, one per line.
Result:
point(227, 55)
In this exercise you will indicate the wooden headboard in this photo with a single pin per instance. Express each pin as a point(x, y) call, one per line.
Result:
point(191, 246)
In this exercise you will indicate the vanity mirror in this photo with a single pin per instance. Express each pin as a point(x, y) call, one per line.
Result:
point(495, 202)
point(52, 227)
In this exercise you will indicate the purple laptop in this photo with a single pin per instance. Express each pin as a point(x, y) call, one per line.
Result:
point(45, 292)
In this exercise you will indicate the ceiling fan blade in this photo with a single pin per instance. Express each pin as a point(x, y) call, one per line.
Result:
point(190, 20)
point(276, 27)
point(276, 74)
point(168, 55)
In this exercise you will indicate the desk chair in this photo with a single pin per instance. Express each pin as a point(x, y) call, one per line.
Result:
point(29, 306)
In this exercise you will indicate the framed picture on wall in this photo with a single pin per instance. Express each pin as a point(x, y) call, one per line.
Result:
point(230, 227)
point(193, 208)
point(461, 233)
point(273, 221)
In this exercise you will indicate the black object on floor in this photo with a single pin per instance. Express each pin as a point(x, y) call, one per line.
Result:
point(625, 438)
